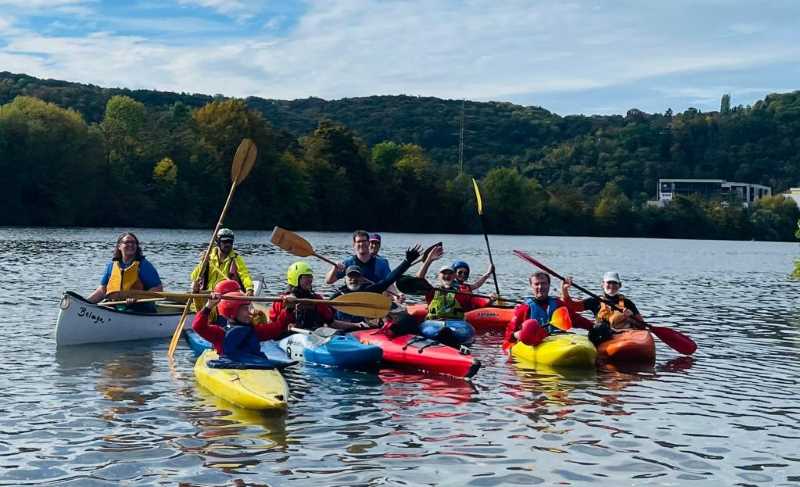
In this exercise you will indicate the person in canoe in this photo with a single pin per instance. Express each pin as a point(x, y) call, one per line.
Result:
point(606, 318)
point(354, 281)
point(443, 304)
point(239, 340)
point(461, 269)
point(128, 270)
point(531, 321)
point(223, 263)
point(289, 312)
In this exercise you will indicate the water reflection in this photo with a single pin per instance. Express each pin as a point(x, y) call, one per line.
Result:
point(123, 414)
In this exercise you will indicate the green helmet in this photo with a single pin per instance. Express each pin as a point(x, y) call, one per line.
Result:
point(296, 270)
point(225, 234)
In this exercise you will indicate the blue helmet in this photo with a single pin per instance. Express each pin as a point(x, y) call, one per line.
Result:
point(460, 264)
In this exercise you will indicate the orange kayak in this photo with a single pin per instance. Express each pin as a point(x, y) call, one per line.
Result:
point(480, 319)
point(631, 346)
point(489, 318)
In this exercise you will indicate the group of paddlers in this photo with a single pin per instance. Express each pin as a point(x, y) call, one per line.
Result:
point(235, 326)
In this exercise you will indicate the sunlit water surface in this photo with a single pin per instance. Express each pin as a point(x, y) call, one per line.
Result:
point(119, 414)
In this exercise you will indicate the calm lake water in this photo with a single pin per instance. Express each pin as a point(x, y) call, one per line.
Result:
point(120, 415)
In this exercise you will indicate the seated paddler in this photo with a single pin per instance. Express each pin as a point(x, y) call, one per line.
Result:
point(128, 270)
point(291, 312)
point(356, 282)
point(239, 339)
point(533, 320)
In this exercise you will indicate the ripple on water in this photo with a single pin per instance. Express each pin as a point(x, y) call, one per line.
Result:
point(122, 414)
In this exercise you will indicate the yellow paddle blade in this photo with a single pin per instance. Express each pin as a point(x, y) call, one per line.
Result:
point(243, 160)
point(291, 242)
point(367, 305)
point(478, 196)
point(561, 319)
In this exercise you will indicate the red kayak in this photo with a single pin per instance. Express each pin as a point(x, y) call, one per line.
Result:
point(629, 346)
point(420, 353)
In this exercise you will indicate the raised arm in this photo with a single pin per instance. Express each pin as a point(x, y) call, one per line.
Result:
point(435, 254)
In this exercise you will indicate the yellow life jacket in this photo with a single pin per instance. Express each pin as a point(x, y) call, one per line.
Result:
point(123, 279)
point(609, 314)
point(444, 305)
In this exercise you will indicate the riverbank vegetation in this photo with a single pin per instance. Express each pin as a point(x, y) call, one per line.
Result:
point(81, 155)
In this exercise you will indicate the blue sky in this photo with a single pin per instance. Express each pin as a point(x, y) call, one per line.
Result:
point(566, 56)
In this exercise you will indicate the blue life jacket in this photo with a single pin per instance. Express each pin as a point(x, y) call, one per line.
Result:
point(543, 316)
point(240, 341)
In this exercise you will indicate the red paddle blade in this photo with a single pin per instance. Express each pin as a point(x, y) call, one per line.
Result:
point(561, 319)
point(675, 339)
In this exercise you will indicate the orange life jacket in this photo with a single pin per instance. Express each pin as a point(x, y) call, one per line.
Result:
point(609, 314)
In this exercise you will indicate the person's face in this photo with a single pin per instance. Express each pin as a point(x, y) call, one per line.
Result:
point(374, 247)
point(353, 281)
point(611, 287)
point(540, 287)
point(225, 246)
point(128, 246)
point(462, 274)
point(361, 245)
point(305, 281)
point(446, 278)
point(244, 314)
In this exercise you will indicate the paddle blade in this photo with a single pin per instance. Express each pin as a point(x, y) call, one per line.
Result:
point(243, 160)
point(415, 286)
point(367, 305)
point(478, 198)
point(291, 242)
point(561, 319)
point(674, 339)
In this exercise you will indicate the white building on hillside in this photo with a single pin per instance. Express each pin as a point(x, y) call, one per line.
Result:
point(712, 188)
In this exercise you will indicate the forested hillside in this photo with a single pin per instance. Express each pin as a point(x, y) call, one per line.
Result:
point(84, 155)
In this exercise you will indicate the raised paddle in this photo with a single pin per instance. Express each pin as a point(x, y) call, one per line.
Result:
point(367, 305)
point(673, 338)
point(295, 244)
point(479, 201)
point(243, 162)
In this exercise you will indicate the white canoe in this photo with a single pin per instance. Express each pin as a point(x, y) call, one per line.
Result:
point(81, 322)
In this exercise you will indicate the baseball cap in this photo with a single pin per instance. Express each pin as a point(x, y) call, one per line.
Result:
point(375, 237)
point(446, 268)
point(353, 269)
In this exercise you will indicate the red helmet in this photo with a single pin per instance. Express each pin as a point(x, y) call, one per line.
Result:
point(531, 333)
point(227, 286)
point(229, 308)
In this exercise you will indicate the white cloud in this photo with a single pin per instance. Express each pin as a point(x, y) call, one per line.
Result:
point(477, 49)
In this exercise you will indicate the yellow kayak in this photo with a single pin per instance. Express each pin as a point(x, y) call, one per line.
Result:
point(561, 350)
point(247, 388)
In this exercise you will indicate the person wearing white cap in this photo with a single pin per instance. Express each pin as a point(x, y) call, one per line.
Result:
point(606, 318)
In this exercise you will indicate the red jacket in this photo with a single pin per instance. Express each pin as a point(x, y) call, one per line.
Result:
point(216, 334)
point(282, 318)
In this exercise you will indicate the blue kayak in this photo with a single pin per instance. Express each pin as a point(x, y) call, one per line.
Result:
point(269, 348)
point(335, 350)
point(449, 332)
